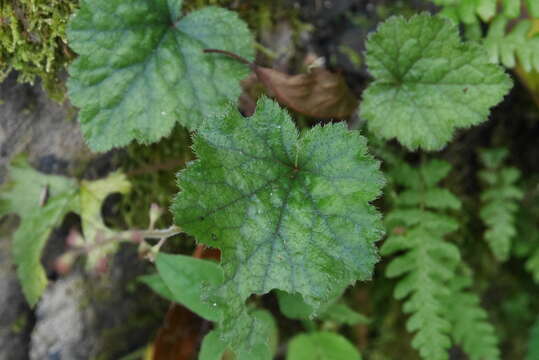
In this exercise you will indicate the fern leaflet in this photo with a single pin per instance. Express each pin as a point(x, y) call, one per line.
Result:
point(469, 321)
point(499, 200)
point(518, 44)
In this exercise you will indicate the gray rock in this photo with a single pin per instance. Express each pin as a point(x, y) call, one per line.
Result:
point(32, 123)
point(62, 323)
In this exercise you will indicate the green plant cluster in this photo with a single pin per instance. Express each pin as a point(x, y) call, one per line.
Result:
point(296, 211)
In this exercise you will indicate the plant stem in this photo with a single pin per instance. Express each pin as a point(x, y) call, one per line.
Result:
point(230, 54)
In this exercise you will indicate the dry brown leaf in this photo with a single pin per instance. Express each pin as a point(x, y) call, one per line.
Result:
point(319, 93)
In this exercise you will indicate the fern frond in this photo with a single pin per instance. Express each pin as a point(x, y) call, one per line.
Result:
point(467, 11)
point(508, 47)
point(533, 342)
point(470, 327)
point(417, 229)
point(500, 201)
point(527, 245)
point(532, 265)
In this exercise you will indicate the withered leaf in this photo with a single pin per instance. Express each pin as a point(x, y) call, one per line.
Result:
point(319, 93)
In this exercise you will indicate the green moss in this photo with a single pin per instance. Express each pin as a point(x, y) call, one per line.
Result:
point(33, 40)
point(152, 171)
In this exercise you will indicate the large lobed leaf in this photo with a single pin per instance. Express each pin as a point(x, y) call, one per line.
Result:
point(141, 68)
point(287, 212)
point(427, 82)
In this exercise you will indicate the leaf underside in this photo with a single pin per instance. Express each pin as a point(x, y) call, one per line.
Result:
point(141, 68)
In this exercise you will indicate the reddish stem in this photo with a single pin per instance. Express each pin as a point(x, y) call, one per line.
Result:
point(237, 57)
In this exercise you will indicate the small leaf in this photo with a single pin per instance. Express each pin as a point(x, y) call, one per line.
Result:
point(319, 93)
point(343, 314)
point(427, 82)
point(92, 196)
point(185, 277)
point(21, 195)
point(141, 68)
point(212, 347)
point(156, 283)
point(293, 307)
point(321, 346)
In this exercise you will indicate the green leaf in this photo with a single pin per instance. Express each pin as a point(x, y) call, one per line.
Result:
point(185, 277)
point(212, 347)
point(343, 314)
point(427, 82)
point(321, 346)
point(141, 68)
point(264, 339)
point(22, 195)
point(293, 306)
point(157, 284)
point(287, 212)
point(92, 196)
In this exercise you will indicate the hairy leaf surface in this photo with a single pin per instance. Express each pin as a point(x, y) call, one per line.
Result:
point(141, 68)
point(427, 82)
point(287, 212)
